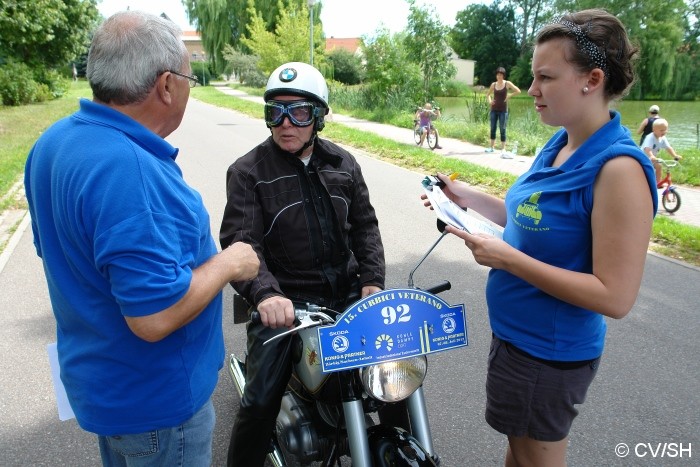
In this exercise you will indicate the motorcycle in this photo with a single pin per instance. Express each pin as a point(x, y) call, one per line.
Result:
point(351, 366)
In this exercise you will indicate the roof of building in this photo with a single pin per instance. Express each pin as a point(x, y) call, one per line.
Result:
point(351, 44)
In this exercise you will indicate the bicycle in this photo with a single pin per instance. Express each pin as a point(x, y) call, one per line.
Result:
point(431, 135)
point(670, 198)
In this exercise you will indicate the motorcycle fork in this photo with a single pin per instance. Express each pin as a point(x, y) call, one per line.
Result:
point(355, 421)
point(420, 425)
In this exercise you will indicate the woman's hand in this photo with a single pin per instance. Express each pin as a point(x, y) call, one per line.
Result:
point(456, 190)
point(487, 250)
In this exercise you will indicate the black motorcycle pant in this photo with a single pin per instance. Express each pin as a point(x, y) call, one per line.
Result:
point(268, 369)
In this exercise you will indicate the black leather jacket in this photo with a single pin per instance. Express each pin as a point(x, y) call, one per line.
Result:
point(268, 206)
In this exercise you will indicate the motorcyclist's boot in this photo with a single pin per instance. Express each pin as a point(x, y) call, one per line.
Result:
point(249, 445)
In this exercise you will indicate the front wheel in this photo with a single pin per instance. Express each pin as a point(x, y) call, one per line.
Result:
point(394, 447)
point(432, 138)
point(671, 200)
point(416, 134)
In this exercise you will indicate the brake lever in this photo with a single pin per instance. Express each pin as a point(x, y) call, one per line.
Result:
point(307, 319)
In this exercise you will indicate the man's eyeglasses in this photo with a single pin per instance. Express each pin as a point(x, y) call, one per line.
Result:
point(193, 79)
point(300, 113)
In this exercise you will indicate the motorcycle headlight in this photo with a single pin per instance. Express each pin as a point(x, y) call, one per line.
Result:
point(394, 381)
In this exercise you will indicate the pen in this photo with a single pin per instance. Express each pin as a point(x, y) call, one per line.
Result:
point(453, 176)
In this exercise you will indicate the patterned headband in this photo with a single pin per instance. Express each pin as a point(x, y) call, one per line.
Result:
point(597, 57)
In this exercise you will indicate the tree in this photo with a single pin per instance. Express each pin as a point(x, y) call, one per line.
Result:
point(347, 67)
point(534, 14)
point(486, 34)
point(46, 33)
point(222, 22)
point(288, 43)
point(691, 48)
point(393, 78)
point(245, 67)
point(218, 24)
point(657, 28)
point(426, 42)
point(262, 43)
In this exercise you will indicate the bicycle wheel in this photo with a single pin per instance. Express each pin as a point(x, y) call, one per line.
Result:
point(671, 200)
point(416, 134)
point(432, 139)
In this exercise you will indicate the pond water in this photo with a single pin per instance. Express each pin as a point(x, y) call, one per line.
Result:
point(683, 117)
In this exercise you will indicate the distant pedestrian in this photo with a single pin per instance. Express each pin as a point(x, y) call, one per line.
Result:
point(75, 73)
point(499, 105)
point(647, 124)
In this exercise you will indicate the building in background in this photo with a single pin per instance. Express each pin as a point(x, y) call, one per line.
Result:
point(351, 44)
point(193, 43)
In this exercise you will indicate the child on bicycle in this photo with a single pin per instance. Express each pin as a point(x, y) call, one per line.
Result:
point(424, 117)
point(656, 141)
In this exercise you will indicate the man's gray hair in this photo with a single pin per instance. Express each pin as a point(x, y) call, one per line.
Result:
point(128, 52)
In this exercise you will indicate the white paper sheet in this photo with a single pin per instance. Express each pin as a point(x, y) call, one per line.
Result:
point(65, 412)
point(451, 214)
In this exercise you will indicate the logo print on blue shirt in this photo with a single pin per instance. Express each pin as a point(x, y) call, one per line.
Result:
point(530, 210)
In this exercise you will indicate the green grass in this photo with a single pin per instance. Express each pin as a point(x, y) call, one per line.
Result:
point(527, 130)
point(21, 126)
point(669, 237)
point(676, 240)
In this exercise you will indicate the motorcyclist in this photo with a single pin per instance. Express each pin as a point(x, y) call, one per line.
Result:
point(303, 204)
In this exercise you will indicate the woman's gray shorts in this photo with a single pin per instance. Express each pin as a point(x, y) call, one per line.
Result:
point(527, 396)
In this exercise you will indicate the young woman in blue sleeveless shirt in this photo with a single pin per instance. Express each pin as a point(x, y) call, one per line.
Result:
point(577, 228)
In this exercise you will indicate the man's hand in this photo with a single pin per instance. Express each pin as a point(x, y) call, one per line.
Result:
point(276, 312)
point(244, 261)
point(369, 290)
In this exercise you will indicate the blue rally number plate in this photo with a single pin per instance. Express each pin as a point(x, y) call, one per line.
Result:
point(391, 325)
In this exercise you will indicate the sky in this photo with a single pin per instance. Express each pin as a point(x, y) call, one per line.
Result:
point(341, 18)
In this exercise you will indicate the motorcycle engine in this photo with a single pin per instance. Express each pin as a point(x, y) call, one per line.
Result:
point(302, 438)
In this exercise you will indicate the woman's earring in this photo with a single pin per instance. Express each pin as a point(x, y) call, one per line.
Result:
point(585, 89)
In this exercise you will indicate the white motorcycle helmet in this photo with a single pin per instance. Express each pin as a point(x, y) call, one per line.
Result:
point(303, 80)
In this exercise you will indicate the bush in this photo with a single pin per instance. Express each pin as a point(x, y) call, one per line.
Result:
point(347, 67)
point(245, 67)
point(17, 85)
point(55, 83)
point(455, 88)
point(21, 85)
point(201, 71)
point(253, 77)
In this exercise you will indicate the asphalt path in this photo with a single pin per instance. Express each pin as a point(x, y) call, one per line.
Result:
point(646, 394)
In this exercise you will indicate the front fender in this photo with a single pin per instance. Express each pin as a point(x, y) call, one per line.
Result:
point(395, 447)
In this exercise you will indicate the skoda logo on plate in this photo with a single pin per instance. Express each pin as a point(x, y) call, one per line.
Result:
point(287, 75)
point(449, 325)
point(340, 344)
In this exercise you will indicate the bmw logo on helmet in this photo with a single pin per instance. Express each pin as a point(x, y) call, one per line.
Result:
point(287, 75)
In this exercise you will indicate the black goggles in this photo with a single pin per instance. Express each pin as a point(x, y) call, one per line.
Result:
point(300, 113)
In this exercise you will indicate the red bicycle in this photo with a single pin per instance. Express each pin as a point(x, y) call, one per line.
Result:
point(670, 198)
